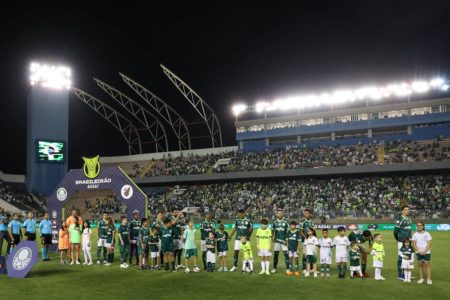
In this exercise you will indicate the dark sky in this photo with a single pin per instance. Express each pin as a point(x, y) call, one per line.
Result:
point(226, 51)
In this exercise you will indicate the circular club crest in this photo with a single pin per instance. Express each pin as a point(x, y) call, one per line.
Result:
point(22, 258)
point(61, 194)
point(126, 191)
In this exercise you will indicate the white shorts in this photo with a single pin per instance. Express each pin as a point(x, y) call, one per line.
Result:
point(107, 245)
point(210, 257)
point(280, 247)
point(223, 253)
point(407, 265)
point(154, 254)
point(237, 245)
point(293, 253)
point(304, 249)
point(178, 244)
point(101, 243)
point(264, 253)
point(342, 259)
point(355, 268)
point(399, 245)
point(86, 247)
point(325, 260)
point(377, 263)
point(203, 245)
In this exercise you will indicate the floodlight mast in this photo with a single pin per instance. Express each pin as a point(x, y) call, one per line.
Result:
point(116, 119)
point(203, 109)
point(146, 118)
point(165, 111)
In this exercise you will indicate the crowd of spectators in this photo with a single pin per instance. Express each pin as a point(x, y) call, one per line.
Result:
point(302, 156)
point(366, 197)
point(16, 195)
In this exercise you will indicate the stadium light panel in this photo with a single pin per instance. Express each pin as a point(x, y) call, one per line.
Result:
point(238, 109)
point(399, 90)
point(50, 76)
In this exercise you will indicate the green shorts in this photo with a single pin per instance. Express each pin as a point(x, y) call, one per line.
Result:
point(190, 252)
point(426, 257)
point(143, 251)
point(311, 259)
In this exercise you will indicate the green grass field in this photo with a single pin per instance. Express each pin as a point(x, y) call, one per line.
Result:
point(50, 280)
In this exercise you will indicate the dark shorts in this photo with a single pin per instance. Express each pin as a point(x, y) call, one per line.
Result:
point(188, 253)
point(167, 250)
point(31, 236)
point(16, 238)
point(310, 259)
point(46, 239)
point(425, 258)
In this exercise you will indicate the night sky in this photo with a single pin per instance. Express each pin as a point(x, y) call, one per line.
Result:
point(227, 52)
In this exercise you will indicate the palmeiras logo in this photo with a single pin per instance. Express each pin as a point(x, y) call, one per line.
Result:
point(91, 167)
point(126, 191)
point(61, 194)
point(22, 258)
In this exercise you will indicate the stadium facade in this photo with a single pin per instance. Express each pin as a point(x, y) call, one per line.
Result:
point(346, 125)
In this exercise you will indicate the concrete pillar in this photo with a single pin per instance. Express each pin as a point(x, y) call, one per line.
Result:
point(369, 133)
point(267, 142)
point(409, 129)
point(299, 139)
point(333, 136)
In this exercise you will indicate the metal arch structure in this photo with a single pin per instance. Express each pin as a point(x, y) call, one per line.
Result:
point(167, 113)
point(117, 120)
point(203, 109)
point(145, 117)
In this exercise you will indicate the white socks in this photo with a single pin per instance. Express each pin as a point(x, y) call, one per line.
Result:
point(407, 274)
point(377, 272)
point(250, 262)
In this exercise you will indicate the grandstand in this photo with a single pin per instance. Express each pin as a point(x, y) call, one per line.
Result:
point(92, 204)
point(14, 196)
point(355, 159)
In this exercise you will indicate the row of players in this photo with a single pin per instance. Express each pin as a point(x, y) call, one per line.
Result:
point(166, 238)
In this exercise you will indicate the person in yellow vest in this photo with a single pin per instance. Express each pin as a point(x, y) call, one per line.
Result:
point(378, 256)
point(263, 245)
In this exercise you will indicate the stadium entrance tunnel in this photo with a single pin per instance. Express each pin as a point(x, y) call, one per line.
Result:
point(111, 185)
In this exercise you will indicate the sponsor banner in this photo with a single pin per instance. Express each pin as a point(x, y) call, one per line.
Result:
point(387, 227)
point(22, 259)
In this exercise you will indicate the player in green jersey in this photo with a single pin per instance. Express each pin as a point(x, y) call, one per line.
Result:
point(293, 239)
point(144, 233)
point(242, 227)
point(304, 225)
point(206, 227)
point(211, 252)
point(124, 238)
point(153, 242)
point(222, 238)
point(402, 230)
point(110, 239)
point(166, 235)
point(360, 238)
point(407, 255)
point(135, 226)
point(102, 239)
point(354, 256)
point(280, 228)
point(178, 228)
point(159, 222)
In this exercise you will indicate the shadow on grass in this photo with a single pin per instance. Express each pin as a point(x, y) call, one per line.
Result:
point(49, 272)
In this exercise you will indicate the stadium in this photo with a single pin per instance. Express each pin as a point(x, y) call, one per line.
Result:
point(320, 192)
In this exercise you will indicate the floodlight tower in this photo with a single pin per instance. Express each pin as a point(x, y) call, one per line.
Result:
point(47, 126)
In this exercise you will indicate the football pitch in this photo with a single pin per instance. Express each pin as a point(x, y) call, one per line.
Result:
point(51, 280)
